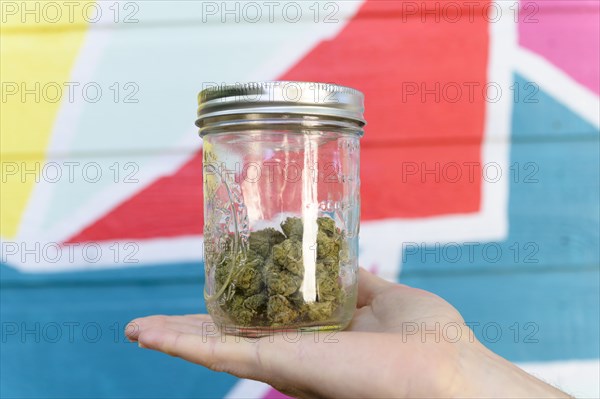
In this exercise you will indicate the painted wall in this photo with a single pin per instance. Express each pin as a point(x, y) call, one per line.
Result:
point(480, 172)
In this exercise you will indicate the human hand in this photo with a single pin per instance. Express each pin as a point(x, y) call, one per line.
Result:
point(392, 348)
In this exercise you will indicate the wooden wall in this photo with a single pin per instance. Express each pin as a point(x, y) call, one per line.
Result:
point(101, 200)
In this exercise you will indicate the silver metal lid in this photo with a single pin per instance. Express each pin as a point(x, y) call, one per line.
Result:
point(296, 98)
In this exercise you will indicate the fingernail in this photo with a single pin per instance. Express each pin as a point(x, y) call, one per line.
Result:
point(142, 345)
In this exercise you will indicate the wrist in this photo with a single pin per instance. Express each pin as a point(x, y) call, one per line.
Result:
point(486, 374)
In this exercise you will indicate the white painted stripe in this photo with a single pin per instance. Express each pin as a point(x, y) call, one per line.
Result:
point(110, 196)
point(37, 256)
point(248, 389)
point(294, 49)
point(64, 129)
point(383, 255)
point(559, 85)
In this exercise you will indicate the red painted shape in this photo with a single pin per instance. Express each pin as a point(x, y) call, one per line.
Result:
point(388, 52)
point(420, 181)
point(169, 207)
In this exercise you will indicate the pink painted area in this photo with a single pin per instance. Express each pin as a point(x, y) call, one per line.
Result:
point(275, 394)
point(566, 33)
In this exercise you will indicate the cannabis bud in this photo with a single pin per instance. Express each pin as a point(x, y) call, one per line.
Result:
point(280, 311)
point(292, 228)
point(261, 284)
point(288, 255)
point(261, 241)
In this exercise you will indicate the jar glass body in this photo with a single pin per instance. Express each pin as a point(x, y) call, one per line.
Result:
point(281, 212)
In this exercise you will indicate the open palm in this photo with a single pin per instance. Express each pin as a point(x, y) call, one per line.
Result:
point(402, 342)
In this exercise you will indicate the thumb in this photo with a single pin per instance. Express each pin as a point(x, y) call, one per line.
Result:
point(369, 286)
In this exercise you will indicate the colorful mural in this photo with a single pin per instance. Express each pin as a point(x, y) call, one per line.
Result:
point(480, 173)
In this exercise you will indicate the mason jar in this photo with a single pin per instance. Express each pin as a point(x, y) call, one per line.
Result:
point(281, 205)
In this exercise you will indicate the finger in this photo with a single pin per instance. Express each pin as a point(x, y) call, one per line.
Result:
point(369, 285)
point(286, 363)
point(194, 322)
point(197, 320)
point(201, 318)
point(135, 326)
point(199, 329)
point(231, 354)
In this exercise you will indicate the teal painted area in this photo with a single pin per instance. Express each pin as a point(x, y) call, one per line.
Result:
point(540, 316)
point(553, 222)
point(148, 274)
point(537, 115)
point(554, 215)
point(548, 269)
point(96, 361)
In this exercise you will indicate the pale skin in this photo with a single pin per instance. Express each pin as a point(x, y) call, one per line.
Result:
point(385, 352)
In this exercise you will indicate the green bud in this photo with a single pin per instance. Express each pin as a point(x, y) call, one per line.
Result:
point(260, 285)
point(237, 312)
point(328, 287)
point(327, 226)
point(326, 246)
point(262, 241)
point(319, 310)
point(255, 302)
point(282, 282)
point(288, 255)
point(292, 227)
point(222, 271)
point(248, 276)
point(280, 311)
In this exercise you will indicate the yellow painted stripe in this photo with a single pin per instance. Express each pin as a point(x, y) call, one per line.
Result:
point(37, 60)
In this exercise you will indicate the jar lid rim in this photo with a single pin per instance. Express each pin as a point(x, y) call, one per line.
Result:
point(281, 97)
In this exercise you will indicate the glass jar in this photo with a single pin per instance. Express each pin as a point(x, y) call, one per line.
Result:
point(281, 205)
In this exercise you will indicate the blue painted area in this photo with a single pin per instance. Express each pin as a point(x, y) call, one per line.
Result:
point(66, 340)
point(538, 316)
point(547, 271)
point(554, 216)
point(172, 273)
point(537, 115)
